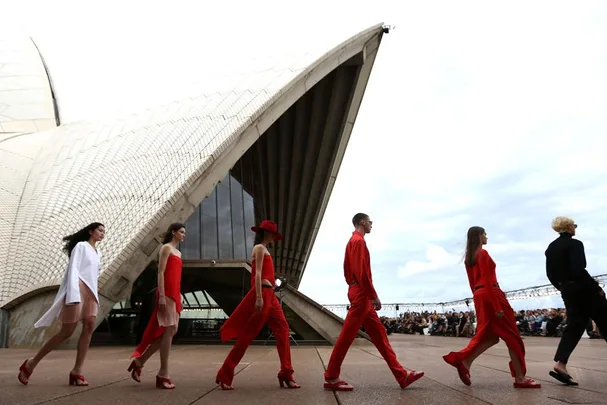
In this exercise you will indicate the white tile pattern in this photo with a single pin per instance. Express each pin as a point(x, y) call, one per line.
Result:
point(123, 172)
point(26, 104)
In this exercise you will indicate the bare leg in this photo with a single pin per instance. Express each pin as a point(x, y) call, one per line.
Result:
point(561, 367)
point(88, 325)
point(480, 349)
point(165, 349)
point(138, 362)
point(67, 330)
point(149, 352)
point(519, 376)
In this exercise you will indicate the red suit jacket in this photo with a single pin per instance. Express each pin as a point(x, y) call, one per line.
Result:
point(357, 265)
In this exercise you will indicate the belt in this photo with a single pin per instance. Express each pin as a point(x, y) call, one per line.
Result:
point(482, 286)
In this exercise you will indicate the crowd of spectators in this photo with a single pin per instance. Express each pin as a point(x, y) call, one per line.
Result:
point(540, 322)
point(548, 322)
point(432, 323)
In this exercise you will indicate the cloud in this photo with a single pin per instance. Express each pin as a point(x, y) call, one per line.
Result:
point(464, 122)
point(437, 258)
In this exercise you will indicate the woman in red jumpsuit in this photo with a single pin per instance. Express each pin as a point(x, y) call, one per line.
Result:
point(495, 317)
point(258, 307)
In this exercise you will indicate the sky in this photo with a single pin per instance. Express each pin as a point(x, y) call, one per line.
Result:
point(476, 113)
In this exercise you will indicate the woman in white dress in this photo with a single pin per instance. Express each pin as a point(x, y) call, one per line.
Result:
point(76, 301)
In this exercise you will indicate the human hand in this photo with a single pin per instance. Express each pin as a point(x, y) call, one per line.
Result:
point(162, 303)
point(259, 304)
point(376, 304)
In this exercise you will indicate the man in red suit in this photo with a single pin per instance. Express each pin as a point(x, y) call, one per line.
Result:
point(364, 303)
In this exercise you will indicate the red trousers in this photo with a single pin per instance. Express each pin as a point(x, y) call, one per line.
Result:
point(245, 324)
point(490, 327)
point(361, 313)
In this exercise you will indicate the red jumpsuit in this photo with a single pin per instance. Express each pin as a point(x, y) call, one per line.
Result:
point(357, 271)
point(245, 323)
point(488, 300)
point(172, 289)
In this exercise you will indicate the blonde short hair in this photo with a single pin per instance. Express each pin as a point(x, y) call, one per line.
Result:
point(562, 224)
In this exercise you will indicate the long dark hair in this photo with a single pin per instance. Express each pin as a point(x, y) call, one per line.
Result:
point(259, 236)
point(168, 235)
point(81, 236)
point(473, 244)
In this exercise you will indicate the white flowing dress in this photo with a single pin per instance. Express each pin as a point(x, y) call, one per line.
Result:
point(84, 266)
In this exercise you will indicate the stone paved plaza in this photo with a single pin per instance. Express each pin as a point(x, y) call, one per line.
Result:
point(194, 368)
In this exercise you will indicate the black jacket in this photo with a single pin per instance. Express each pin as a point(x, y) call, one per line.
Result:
point(566, 261)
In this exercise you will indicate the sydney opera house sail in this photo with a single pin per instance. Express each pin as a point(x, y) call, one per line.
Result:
point(258, 127)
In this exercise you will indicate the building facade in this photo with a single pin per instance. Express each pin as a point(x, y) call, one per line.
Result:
point(220, 227)
point(265, 143)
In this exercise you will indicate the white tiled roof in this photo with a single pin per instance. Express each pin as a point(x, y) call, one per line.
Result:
point(26, 104)
point(123, 172)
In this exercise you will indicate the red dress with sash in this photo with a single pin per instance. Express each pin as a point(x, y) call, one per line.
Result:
point(245, 323)
point(488, 300)
point(172, 289)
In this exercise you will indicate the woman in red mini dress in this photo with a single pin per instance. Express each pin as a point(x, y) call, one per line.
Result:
point(162, 326)
point(495, 317)
point(258, 307)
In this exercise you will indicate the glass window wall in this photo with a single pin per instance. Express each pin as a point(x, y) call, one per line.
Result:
point(220, 228)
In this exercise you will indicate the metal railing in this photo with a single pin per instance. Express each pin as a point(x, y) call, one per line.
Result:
point(520, 294)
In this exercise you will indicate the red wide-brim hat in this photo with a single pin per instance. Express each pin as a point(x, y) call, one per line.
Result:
point(269, 226)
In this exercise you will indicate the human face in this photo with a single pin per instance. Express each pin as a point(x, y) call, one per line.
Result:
point(367, 224)
point(179, 235)
point(484, 238)
point(98, 233)
point(573, 228)
point(269, 236)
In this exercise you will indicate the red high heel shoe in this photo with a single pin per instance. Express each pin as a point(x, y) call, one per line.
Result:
point(224, 386)
point(527, 383)
point(27, 373)
point(78, 380)
point(135, 371)
point(161, 381)
point(340, 385)
point(462, 371)
point(221, 376)
point(291, 384)
point(411, 377)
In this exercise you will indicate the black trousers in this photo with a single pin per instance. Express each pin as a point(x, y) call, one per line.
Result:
point(583, 302)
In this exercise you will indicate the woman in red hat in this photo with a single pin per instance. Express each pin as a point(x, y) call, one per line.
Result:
point(258, 307)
